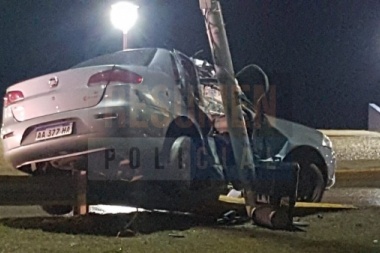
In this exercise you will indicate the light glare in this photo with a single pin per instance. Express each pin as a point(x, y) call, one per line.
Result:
point(124, 15)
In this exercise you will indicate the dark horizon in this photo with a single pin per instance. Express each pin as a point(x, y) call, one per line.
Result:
point(322, 56)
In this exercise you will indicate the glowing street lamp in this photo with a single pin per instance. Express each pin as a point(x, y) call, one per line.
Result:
point(124, 16)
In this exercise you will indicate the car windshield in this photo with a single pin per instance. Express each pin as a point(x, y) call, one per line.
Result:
point(139, 57)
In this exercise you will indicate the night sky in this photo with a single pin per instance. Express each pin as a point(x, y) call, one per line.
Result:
point(322, 56)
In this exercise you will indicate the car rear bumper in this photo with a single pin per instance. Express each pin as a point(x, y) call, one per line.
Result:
point(41, 152)
point(90, 131)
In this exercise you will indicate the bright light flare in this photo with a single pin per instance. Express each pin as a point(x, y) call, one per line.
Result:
point(124, 15)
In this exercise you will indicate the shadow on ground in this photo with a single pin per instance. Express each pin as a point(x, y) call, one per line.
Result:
point(343, 232)
point(125, 224)
point(111, 224)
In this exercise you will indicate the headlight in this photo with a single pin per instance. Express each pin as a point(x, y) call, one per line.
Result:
point(326, 142)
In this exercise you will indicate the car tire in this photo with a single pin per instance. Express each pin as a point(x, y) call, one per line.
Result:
point(57, 209)
point(185, 147)
point(47, 170)
point(311, 184)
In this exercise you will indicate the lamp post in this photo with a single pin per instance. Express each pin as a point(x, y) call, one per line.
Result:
point(124, 16)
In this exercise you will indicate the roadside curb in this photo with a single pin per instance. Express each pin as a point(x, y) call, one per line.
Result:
point(349, 133)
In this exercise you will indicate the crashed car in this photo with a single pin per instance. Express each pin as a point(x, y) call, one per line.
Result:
point(148, 126)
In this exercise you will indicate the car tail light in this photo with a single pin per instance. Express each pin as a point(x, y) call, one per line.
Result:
point(114, 75)
point(12, 97)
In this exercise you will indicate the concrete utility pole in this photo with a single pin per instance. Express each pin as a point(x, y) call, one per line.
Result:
point(125, 41)
point(230, 94)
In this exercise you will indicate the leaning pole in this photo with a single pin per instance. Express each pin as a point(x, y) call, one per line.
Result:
point(230, 90)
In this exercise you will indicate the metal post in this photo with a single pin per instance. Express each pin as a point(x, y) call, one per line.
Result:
point(125, 41)
point(230, 95)
point(81, 206)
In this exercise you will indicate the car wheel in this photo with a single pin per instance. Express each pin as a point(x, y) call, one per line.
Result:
point(181, 161)
point(57, 209)
point(46, 169)
point(311, 184)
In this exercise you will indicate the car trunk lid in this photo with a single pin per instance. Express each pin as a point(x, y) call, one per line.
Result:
point(57, 92)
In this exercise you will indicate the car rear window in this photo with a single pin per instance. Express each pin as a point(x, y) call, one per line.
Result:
point(139, 57)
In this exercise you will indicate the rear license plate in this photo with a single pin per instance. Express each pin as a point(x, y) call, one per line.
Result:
point(53, 131)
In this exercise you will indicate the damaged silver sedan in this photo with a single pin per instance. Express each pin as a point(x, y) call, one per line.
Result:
point(148, 126)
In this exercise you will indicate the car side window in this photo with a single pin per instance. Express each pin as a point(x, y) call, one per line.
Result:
point(189, 70)
point(190, 77)
point(177, 77)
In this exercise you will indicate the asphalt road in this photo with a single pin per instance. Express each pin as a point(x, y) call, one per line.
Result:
point(360, 197)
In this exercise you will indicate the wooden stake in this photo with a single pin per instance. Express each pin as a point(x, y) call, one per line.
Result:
point(81, 207)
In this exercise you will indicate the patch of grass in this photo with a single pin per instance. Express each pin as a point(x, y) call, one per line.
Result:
point(351, 231)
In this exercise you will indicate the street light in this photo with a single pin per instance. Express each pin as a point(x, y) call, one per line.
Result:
point(123, 16)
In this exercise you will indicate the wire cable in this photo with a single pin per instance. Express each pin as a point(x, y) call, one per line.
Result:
point(266, 81)
point(256, 67)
